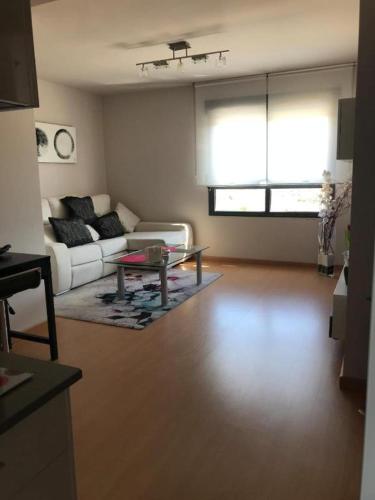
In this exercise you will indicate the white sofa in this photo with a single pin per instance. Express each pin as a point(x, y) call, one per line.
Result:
point(72, 267)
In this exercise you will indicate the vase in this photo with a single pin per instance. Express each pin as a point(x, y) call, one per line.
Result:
point(326, 264)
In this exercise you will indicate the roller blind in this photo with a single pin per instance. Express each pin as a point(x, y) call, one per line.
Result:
point(231, 132)
point(279, 131)
point(302, 124)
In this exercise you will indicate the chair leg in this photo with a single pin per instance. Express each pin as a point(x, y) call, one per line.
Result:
point(8, 310)
point(3, 327)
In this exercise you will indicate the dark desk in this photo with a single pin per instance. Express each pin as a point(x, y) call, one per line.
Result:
point(12, 263)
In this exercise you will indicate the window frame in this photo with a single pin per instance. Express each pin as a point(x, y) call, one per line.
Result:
point(267, 212)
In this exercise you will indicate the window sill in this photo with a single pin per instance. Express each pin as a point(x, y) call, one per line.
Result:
point(290, 215)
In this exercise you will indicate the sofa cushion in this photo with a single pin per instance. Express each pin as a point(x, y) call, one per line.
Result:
point(87, 272)
point(108, 226)
point(49, 234)
point(112, 246)
point(58, 210)
point(84, 254)
point(46, 211)
point(127, 218)
point(82, 208)
point(94, 234)
point(102, 204)
point(72, 232)
point(155, 237)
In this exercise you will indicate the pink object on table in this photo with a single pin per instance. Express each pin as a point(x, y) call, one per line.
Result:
point(170, 249)
point(133, 258)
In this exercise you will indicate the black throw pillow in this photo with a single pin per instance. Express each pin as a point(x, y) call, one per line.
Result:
point(72, 232)
point(81, 208)
point(108, 226)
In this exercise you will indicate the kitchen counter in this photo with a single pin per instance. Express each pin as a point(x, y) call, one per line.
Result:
point(48, 381)
point(36, 438)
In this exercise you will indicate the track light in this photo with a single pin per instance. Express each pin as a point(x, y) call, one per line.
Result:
point(180, 65)
point(162, 64)
point(177, 47)
point(200, 58)
point(143, 71)
point(221, 61)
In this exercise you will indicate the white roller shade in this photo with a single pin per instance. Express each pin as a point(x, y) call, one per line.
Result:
point(284, 131)
point(302, 124)
point(231, 133)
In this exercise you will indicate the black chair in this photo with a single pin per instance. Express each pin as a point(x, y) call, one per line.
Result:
point(10, 286)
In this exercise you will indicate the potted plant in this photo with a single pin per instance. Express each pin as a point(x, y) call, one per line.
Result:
point(334, 201)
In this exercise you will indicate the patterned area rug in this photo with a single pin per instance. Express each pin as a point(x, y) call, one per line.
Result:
point(98, 302)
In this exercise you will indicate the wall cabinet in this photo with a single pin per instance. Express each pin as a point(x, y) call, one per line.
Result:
point(345, 129)
point(18, 83)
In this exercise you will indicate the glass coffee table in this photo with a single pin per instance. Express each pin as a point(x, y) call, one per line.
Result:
point(138, 260)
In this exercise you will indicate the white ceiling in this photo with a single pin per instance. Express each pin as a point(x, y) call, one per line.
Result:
point(95, 44)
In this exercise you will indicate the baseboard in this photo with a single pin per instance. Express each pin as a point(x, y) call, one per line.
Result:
point(38, 326)
point(239, 260)
point(352, 384)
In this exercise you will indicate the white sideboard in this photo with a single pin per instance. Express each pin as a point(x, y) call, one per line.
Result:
point(338, 318)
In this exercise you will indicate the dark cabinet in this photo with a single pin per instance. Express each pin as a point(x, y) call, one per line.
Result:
point(345, 129)
point(18, 83)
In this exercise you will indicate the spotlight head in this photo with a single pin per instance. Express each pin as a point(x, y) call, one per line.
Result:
point(162, 64)
point(221, 61)
point(200, 58)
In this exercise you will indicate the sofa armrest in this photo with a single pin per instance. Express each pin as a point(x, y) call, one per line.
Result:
point(61, 267)
point(167, 226)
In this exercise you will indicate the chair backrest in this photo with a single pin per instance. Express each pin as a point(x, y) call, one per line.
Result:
point(15, 283)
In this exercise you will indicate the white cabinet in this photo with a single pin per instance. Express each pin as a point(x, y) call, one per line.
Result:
point(338, 319)
point(36, 455)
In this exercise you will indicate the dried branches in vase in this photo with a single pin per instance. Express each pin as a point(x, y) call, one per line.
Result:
point(334, 202)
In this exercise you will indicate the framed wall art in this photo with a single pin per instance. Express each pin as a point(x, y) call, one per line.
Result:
point(56, 143)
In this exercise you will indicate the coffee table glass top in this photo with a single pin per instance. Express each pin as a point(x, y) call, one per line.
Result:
point(179, 253)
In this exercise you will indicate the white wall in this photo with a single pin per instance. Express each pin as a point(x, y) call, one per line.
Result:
point(68, 106)
point(150, 153)
point(20, 210)
point(22, 182)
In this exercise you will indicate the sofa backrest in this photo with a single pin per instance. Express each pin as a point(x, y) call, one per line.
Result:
point(52, 207)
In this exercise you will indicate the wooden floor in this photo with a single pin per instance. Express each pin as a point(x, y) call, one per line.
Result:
point(231, 396)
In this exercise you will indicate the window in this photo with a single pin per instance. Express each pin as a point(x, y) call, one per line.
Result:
point(240, 200)
point(263, 143)
point(270, 201)
point(295, 200)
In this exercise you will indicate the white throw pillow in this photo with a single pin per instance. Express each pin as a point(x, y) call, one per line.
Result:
point(127, 218)
point(94, 234)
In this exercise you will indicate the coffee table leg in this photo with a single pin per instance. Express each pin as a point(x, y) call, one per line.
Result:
point(198, 261)
point(120, 282)
point(164, 286)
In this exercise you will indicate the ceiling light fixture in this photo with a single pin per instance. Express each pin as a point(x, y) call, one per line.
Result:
point(182, 45)
point(143, 71)
point(199, 58)
point(162, 64)
point(221, 61)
